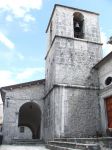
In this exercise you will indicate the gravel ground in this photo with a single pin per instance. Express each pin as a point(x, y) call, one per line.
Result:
point(18, 147)
point(104, 148)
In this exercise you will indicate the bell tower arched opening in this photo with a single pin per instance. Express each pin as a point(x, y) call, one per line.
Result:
point(78, 25)
point(30, 116)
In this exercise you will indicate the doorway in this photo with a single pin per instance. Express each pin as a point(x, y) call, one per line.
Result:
point(109, 111)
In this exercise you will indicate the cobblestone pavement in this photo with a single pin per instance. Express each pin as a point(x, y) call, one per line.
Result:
point(18, 147)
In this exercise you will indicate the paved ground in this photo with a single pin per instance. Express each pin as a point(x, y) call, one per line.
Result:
point(18, 147)
point(41, 147)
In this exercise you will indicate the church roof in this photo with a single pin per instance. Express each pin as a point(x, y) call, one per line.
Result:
point(36, 82)
point(104, 60)
point(68, 8)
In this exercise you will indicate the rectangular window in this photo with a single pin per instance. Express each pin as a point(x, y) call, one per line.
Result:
point(22, 129)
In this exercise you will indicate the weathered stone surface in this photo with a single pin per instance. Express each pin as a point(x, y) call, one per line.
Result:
point(72, 85)
point(15, 98)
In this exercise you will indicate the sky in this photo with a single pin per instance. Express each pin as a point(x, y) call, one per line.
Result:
point(23, 38)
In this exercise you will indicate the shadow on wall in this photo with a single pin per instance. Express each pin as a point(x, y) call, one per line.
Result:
point(1, 120)
point(1, 112)
point(1, 137)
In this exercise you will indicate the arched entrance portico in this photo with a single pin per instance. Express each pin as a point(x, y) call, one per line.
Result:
point(30, 116)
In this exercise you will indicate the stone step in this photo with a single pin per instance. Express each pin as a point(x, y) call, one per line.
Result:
point(74, 145)
point(88, 146)
point(63, 144)
point(103, 141)
point(54, 147)
point(27, 142)
point(78, 140)
point(85, 140)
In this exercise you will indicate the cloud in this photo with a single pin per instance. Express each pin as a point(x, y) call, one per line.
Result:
point(107, 48)
point(29, 18)
point(25, 26)
point(9, 18)
point(28, 72)
point(20, 56)
point(19, 8)
point(10, 53)
point(13, 77)
point(6, 41)
point(6, 78)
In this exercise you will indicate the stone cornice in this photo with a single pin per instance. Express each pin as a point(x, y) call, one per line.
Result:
point(64, 37)
point(71, 86)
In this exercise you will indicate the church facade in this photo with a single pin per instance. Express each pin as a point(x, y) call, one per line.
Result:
point(75, 98)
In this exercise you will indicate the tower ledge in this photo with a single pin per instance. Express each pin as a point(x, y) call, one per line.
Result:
point(77, 39)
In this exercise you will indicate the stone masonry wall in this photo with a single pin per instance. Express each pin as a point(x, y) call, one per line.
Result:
point(14, 99)
point(81, 113)
point(53, 123)
point(72, 112)
point(50, 68)
point(74, 56)
point(74, 60)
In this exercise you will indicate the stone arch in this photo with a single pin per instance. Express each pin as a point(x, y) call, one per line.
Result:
point(78, 25)
point(30, 116)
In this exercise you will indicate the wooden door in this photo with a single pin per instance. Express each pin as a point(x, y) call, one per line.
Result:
point(109, 111)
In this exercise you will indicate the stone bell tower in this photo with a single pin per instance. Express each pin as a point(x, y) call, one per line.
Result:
point(71, 91)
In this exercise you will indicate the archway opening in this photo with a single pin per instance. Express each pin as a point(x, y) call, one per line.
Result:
point(30, 116)
point(78, 23)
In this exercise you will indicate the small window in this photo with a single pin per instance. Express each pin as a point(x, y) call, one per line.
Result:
point(22, 129)
point(50, 33)
point(108, 81)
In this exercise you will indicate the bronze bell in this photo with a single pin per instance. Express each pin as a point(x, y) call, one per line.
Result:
point(77, 27)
